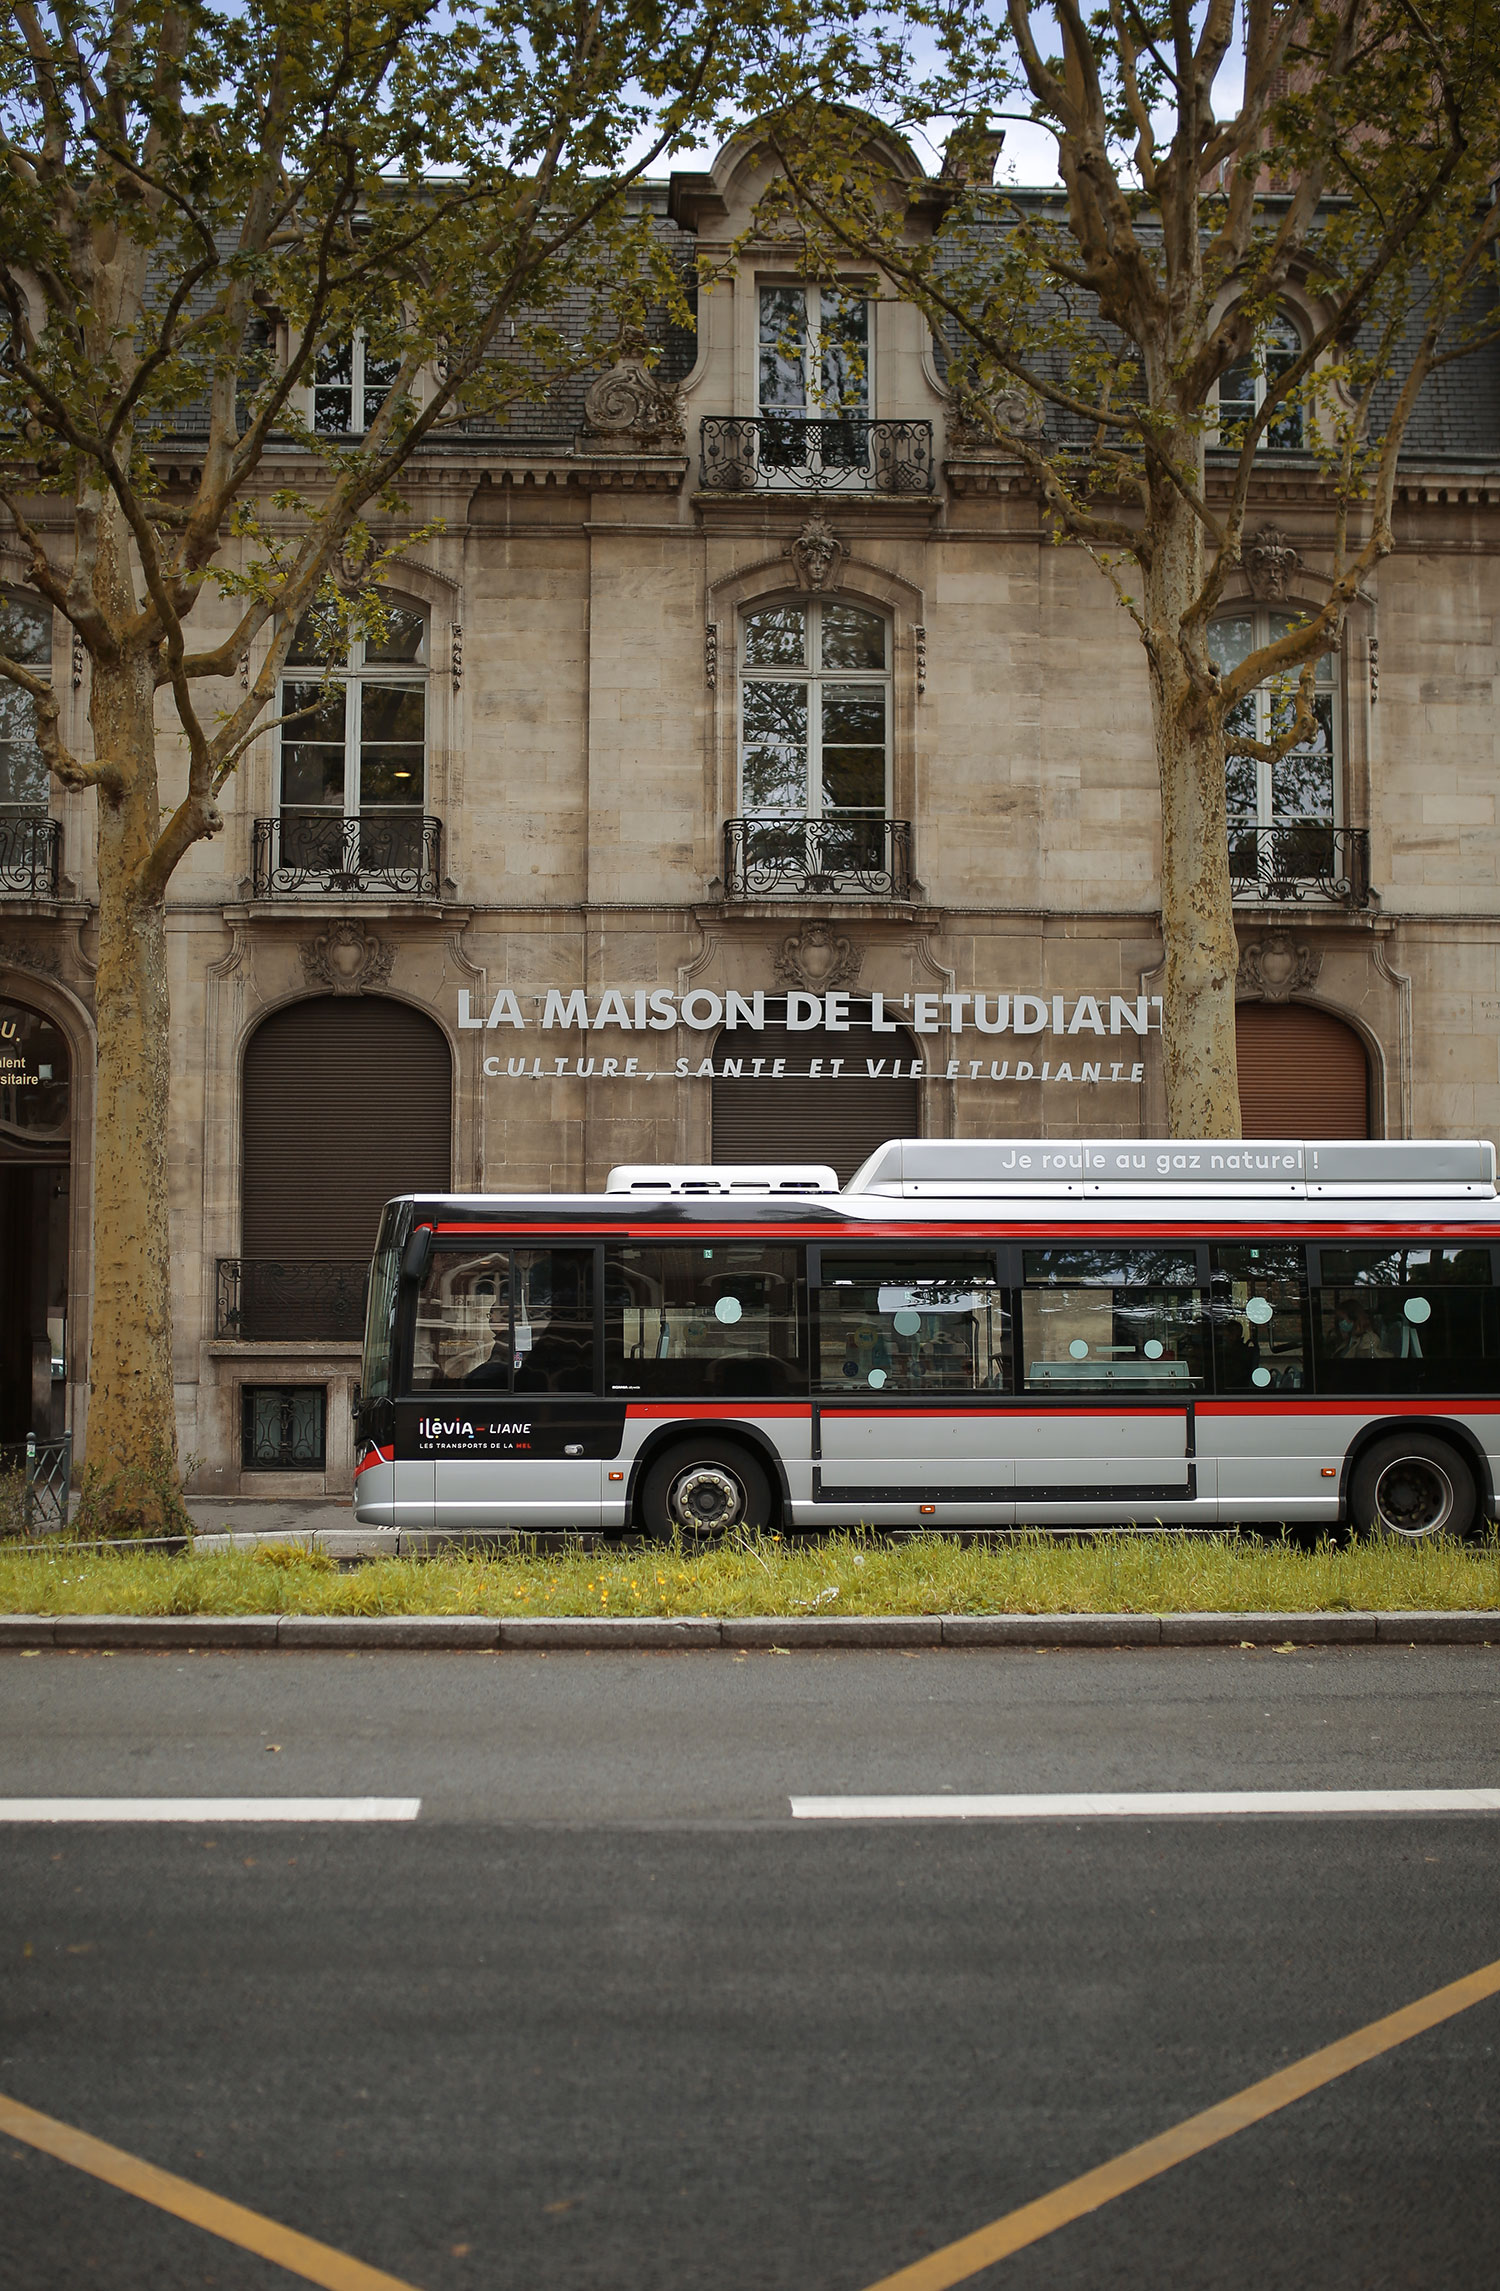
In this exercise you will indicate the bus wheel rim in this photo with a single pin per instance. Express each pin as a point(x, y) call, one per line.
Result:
point(706, 1497)
point(1414, 1496)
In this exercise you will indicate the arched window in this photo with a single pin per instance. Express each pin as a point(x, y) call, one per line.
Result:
point(1242, 390)
point(815, 745)
point(1281, 815)
point(354, 763)
point(26, 636)
point(321, 1158)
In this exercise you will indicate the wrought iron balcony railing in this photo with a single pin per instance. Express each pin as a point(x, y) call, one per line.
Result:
point(1297, 862)
point(265, 1299)
point(382, 854)
point(30, 854)
point(783, 453)
point(833, 857)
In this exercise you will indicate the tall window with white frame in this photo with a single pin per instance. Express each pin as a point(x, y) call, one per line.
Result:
point(25, 833)
point(815, 719)
point(350, 385)
point(1244, 387)
point(354, 760)
point(814, 375)
point(1282, 815)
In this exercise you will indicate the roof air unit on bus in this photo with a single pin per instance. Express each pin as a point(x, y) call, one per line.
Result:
point(744, 1180)
point(1294, 1169)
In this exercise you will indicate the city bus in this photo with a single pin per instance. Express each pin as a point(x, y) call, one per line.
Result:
point(969, 1333)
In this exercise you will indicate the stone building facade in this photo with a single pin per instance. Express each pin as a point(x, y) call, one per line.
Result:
point(749, 713)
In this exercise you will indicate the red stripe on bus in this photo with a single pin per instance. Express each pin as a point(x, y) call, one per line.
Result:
point(1359, 1406)
point(374, 1456)
point(1058, 1226)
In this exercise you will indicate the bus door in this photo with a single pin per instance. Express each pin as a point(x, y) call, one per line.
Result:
point(505, 1385)
point(914, 1346)
point(1111, 1359)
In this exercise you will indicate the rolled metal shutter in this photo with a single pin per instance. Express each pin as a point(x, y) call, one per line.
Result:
point(347, 1100)
point(799, 1116)
point(1303, 1073)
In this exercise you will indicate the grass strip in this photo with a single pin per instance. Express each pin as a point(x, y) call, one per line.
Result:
point(853, 1574)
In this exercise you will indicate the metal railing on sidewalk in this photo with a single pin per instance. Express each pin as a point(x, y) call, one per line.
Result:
point(45, 1471)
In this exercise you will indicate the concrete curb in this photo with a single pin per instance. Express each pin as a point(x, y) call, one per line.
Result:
point(156, 1632)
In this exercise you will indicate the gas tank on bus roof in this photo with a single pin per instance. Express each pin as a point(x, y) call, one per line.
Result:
point(1284, 1168)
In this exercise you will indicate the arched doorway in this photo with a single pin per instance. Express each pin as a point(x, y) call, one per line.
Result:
point(35, 1094)
point(347, 1100)
point(1303, 1073)
point(806, 1115)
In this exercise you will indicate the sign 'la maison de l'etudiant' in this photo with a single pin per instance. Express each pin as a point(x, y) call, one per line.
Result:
point(1082, 1034)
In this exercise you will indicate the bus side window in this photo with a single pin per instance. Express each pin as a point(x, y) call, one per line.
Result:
point(912, 1321)
point(1412, 1317)
point(1111, 1317)
point(717, 1321)
point(1259, 1314)
point(552, 1320)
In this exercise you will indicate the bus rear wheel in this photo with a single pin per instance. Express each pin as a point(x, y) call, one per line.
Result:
point(1414, 1486)
point(702, 1489)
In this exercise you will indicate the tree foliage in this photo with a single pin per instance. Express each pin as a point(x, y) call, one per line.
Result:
point(196, 201)
point(180, 181)
point(1355, 168)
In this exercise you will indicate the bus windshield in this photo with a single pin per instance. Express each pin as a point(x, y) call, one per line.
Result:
point(380, 1317)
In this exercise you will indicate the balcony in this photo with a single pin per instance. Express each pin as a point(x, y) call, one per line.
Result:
point(1299, 863)
point(30, 855)
point(380, 855)
point(832, 858)
point(783, 453)
point(267, 1300)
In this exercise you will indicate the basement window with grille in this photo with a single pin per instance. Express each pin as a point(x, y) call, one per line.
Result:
point(283, 1427)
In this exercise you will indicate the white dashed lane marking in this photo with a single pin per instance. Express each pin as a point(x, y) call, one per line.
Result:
point(1089, 1804)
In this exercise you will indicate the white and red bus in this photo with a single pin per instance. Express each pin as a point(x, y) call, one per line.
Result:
point(969, 1333)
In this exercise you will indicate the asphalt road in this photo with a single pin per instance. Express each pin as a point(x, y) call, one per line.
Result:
point(605, 2019)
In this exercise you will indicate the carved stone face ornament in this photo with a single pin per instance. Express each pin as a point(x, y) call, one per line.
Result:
point(1271, 563)
point(817, 555)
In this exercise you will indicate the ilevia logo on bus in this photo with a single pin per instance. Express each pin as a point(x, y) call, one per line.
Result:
point(474, 1435)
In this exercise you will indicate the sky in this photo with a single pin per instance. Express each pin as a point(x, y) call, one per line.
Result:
point(1029, 159)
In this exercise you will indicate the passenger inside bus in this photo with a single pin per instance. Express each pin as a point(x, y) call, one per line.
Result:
point(495, 1371)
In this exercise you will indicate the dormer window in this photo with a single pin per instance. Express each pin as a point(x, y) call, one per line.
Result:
point(1244, 388)
point(814, 351)
point(350, 385)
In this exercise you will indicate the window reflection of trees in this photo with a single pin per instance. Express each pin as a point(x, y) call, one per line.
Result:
point(908, 1323)
point(1113, 1319)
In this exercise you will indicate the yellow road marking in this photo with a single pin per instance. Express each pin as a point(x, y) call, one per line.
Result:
point(956, 2262)
point(299, 2254)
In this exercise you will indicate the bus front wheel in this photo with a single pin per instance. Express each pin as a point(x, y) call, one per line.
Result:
point(700, 1490)
point(1414, 1486)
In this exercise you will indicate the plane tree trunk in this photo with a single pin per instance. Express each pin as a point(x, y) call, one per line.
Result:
point(1202, 953)
point(132, 1421)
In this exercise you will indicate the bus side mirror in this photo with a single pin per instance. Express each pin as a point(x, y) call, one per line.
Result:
point(416, 1253)
point(354, 1399)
